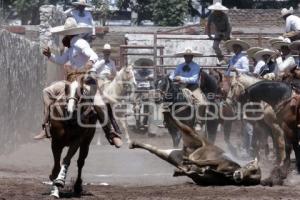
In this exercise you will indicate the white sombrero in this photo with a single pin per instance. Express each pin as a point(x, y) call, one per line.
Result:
point(295, 46)
point(286, 11)
point(278, 45)
point(71, 28)
point(253, 50)
point(273, 40)
point(81, 3)
point(258, 55)
point(218, 6)
point(188, 52)
point(229, 44)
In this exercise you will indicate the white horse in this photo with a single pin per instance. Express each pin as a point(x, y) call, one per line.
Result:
point(116, 91)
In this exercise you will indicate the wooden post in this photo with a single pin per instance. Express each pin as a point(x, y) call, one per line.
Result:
point(156, 68)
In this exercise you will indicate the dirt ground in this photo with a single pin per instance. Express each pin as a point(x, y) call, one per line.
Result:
point(112, 173)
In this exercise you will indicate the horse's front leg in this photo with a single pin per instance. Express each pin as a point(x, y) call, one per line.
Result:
point(56, 151)
point(61, 178)
point(83, 153)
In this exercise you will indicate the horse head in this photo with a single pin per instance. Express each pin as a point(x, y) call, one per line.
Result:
point(250, 173)
point(79, 90)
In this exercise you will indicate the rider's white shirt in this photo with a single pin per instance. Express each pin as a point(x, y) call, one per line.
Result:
point(292, 23)
point(105, 68)
point(258, 66)
point(78, 54)
point(284, 65)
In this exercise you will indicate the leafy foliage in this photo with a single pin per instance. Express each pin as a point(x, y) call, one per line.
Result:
point(170, 12)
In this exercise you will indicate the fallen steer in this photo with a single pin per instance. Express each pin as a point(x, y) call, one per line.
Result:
point(203, 162)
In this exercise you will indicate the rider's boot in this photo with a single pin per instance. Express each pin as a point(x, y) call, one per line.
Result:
point(45, 133)
point(112, 137)
point(298, 134)
point(112, 119)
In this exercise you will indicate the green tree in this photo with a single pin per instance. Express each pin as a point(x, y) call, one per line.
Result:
point(169, 12)
point(28, 10)
point(162, 12)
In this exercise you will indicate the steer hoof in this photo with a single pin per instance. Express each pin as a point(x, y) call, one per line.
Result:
point(131, 145)
point(59, 183)
point(117, 142)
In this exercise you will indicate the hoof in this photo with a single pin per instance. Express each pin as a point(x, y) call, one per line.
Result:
point(131, 145)
point(54, 192)
point(59, 183)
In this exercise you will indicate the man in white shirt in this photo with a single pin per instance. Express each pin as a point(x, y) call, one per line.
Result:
point(239, 61)
point(265, 63)
point(83, 17)
point(251, 52)
point(285, 61)
point(82, 59)
point(292, 28)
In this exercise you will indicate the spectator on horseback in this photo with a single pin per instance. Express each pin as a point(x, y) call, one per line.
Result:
point(250, 53)
point(292, 27)
point(239, 61)
point(83, 17)
point(107, 70)
point(285, 61)
point(222, 28)
point(187, 73)
point(81, 59)
point(265, 63)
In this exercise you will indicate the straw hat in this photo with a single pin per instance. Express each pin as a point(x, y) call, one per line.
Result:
point(81, 3)
point(189, 52)
point(258, 55)
point(278, 45)
point(286, 11)
point(107, 47)
point(71, 28)
point(252, 51)
point(230, 43)
point(295, 46)
point(279, 39)
point(217, 6)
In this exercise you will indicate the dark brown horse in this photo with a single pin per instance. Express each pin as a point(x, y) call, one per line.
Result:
point(72, 123)
point(286, 106)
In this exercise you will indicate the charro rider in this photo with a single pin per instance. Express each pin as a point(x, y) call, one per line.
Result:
point(292, 27)
point(251, 52)
point(188, 72)
point(83, 17)
point(82, 59)
point(285, 61)
point(223, 29)
point(239, 62)
point(265, 63)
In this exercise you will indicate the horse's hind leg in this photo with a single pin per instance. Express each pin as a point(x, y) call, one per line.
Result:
point(56, 151)
point(83, 153)
point(297, 154)
point(61, 178)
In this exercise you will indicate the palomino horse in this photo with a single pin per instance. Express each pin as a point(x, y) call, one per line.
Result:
point(238, 84)
point(121, 88)
point(73, 126)
point(286, 107)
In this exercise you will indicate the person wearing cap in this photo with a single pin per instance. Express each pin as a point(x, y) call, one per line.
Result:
point(219, 18)
point(239, 61)
point(284, 61)
point(251, 52)
point(265, 64)
point(82, 59)
point(83, 17)
point(292, 27)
